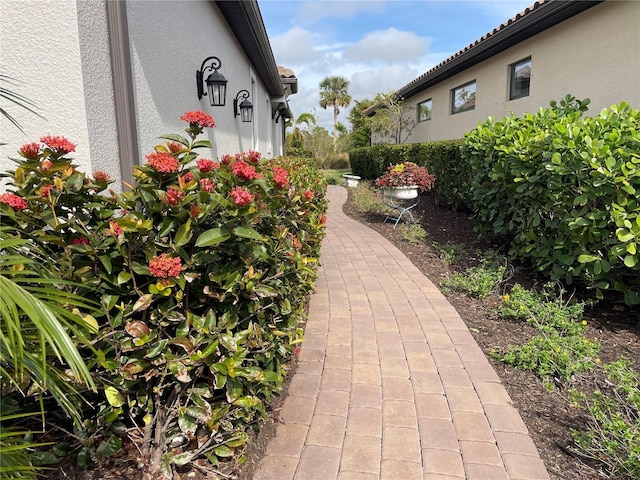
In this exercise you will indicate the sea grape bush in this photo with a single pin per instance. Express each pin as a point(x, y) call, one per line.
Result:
point(201, 270)
point(562, 189)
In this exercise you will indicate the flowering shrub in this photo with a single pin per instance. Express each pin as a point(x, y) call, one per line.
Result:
point(16, 202)
point(201, 271)
point(406, 174)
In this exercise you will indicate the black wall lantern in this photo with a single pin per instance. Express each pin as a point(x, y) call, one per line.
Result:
point(245, 107)
point(216, 83)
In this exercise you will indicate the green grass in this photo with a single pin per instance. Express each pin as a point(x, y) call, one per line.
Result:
point(334, 176)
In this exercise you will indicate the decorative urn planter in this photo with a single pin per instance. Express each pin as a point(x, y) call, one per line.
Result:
point(403, 193)
point(350, 180)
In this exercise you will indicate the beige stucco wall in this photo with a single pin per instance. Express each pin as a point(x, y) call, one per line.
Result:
point(58, 52)
point(595, 54)
point(169, 41)
point(60, 66)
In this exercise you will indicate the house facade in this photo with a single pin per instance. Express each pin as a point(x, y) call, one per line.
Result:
point(589, 49)
point(111, 76)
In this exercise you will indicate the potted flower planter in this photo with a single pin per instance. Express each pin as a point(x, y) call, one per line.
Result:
point(403, 193)
point(350, 180)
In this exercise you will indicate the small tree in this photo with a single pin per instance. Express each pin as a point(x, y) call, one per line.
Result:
point(393, 119)
point(360, 124)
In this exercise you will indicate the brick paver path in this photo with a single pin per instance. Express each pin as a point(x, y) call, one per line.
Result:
point(390, 383)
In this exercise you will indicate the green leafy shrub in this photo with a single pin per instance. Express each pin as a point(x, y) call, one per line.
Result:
point(367, 199)
point(611, 436)
point(299, 152)
point(562, 189)
point(449, 253)
point(413, 233)
point(559, 350)
point(201, 271)
point(477, 281)
point(339, 162)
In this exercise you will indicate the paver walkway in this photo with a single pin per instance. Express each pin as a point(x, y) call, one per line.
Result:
point(390, 383)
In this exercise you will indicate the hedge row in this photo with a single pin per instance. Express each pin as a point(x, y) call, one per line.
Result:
point(560, 188)
point(200, 273)
point(442, 159)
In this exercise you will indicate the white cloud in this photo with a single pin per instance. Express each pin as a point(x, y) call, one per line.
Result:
point(366, 84)
point(390, 45)
point(293, 47)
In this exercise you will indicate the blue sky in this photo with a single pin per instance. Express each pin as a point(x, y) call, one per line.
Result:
point(377, 45)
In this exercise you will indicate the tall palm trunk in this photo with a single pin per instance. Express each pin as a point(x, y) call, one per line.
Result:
point(335, 124)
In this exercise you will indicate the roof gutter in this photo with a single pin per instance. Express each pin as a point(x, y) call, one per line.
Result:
point(245, 20)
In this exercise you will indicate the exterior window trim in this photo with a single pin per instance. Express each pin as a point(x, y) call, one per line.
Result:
point(453, 97)
point(512, 71)
point(430, 102)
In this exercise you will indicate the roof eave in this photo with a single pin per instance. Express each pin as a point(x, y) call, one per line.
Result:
point(245, 20)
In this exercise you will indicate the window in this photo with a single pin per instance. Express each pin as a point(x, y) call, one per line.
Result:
point(463, 98)
point(520, 79)
point(424, 111)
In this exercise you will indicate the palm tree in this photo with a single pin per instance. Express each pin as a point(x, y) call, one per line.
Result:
point(16, 99)
point(334, 91)
point(298, 137)
point(39, 336)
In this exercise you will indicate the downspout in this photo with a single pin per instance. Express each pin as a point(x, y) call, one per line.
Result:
point(126, 126)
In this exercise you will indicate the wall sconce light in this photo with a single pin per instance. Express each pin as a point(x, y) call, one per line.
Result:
point(216, 83)
point(245, 107)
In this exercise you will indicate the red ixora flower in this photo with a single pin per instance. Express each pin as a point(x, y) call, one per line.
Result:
point(323, 219)
point(46, 165)
point(101, 176)
point(243, 170)
point(253, 156)
point(46, 190)
point(308, 194)
point(194, 210)
point(30, 150)
point(174, 147)
point(240, 196)
point(14, 201)
point(114, 228)
point(165, 267)
point(205, 165)
point(59, 144)
point(174, 196)
point(200, 118)
point(281, 177)
point(79, 241)
point(187, 177)
point(227, 159)
point(163, 162)
point(207, 185)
